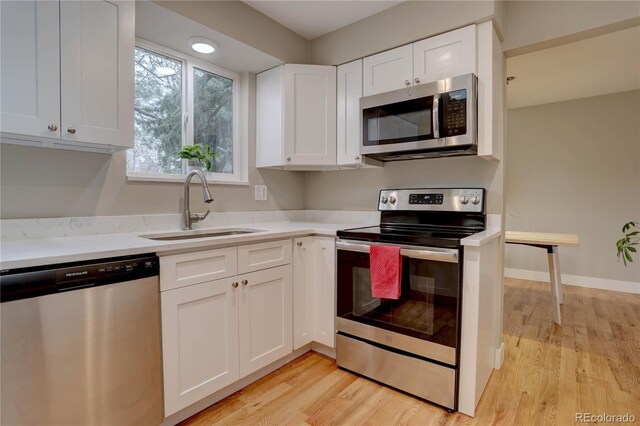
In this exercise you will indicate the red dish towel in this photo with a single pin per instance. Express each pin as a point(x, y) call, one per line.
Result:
point(386, 271)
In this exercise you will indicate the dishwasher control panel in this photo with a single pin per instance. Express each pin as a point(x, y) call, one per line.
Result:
point(38, 281)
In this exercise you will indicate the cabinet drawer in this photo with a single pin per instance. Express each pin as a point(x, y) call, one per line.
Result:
point(264, 255)
point(193, 268)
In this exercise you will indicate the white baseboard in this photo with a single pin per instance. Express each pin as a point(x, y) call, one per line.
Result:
point(577, 280)
point(499, 357)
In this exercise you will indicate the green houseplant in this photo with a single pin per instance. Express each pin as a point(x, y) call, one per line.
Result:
point(625, 245)
point(199, 156)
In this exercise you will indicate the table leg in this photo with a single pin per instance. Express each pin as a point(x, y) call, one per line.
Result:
point(556, 283)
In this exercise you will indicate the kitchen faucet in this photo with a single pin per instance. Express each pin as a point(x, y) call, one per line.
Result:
point(189, 218)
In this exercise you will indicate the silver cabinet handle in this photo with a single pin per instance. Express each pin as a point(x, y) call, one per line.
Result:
point(288, 158)
point(299, 243)
point(357, 157)
point(417, 80)
point(71, 130)
point(245, 282)
point(52, 127)
point(234, 285)
point(407, 83)
point(412, 252)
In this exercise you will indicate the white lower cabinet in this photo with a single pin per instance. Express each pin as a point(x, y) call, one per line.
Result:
point(314, 291)
point(199, 341)
point(215, 332)
point(303, 294)
point(265, 318)
point(325, 290)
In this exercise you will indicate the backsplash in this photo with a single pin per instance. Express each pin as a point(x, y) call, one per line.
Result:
point(21, 229)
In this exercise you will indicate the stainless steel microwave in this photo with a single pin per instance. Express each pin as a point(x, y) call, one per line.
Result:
point(429, 120)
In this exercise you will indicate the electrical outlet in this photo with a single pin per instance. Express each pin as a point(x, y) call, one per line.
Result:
point(261, 192)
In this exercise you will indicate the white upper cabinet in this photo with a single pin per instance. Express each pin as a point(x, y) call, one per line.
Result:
point(67, 74)
point(349, 94)
point(97, 86)
point(388, 70)
point(30, 68)
point(296, 116)
point(444, 56)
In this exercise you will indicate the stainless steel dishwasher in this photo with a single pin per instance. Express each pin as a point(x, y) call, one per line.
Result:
point(81, 344)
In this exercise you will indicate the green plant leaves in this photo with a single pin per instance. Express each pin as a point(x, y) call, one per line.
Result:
point(201, 154)
point(625, 245)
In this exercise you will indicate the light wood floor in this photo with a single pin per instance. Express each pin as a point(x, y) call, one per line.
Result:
point(589, 364)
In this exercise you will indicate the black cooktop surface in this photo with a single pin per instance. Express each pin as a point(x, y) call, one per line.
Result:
point(422, 236)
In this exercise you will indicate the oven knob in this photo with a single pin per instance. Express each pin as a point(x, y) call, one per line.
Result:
point(475, 199)
point(464, 199)
point(384, 200)
point(392, 199)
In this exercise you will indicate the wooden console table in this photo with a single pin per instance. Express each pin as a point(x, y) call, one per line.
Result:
point(550, 242)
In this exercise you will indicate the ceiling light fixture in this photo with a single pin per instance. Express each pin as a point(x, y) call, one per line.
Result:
point(202, 45)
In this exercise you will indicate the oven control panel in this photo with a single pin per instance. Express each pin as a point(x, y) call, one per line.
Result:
point(434, 199)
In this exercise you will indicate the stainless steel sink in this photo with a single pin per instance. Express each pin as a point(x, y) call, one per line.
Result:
point(188, 235)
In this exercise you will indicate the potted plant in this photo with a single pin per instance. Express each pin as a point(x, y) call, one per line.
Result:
point(625, 245)
point(199, 156)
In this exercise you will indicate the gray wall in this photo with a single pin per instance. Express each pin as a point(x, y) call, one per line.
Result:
point(245, 24)
point(574, 167)
point(535, 25)
point(41, 182)
point(358, 189)
point(401, 24)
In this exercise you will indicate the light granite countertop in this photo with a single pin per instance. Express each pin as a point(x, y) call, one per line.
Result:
point(28, 252)
point(47, 251)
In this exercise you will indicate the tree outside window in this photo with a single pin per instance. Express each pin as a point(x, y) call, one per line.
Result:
point(161, 130)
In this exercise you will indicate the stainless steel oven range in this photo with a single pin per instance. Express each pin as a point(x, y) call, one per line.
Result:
point(412, 343)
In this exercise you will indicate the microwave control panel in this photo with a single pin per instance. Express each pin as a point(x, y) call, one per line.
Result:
point(454, 105)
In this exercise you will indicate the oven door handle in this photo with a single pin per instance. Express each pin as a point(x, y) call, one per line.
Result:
point(435, 254)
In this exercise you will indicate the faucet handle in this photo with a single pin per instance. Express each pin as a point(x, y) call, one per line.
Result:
point(200, 217)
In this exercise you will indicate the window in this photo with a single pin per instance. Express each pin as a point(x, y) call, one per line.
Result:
point(181, 101)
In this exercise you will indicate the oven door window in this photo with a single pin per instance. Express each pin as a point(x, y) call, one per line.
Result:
point(428, 305)
point(401, 122)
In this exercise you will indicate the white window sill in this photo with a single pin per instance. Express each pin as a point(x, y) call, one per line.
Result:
point(157, 177)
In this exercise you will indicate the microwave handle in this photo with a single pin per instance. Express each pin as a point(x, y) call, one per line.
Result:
point(435, 111)
point(441, 255)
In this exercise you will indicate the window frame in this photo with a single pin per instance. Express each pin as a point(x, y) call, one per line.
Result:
point(239, 175)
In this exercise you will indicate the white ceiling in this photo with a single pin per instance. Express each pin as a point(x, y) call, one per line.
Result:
point(162, 26)
point(600, 65)
point(313, 18)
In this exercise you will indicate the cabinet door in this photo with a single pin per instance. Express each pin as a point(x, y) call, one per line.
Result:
point(269, 119)
point(349, 127)
point(97, 78)
point(30, 68)
point(199, 341)
point(325, 292)
point(446, 55)
point(265, 318)
point(310, 114)
point(303, 291)
point(387, 71)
